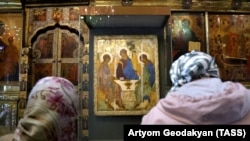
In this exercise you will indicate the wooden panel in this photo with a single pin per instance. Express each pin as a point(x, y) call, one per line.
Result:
point(122, 10)
point(177, 4)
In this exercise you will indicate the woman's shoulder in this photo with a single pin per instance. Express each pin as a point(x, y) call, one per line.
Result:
point(7, 137)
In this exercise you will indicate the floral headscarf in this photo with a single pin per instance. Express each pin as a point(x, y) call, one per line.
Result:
point(191, 66)
point(51, 112)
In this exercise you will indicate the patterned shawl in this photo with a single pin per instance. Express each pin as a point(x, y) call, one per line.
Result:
point(51, 112)
point(191, 66)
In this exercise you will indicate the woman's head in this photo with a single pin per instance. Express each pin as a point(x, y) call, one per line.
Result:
point(191, 66)
point(51, 112)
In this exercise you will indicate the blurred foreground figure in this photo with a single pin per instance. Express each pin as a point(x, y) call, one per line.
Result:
point(198, 95)
point(51, 113)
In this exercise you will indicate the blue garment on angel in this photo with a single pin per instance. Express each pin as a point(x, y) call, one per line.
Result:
point(145, 86)
point(151, 69)
point(125, 69)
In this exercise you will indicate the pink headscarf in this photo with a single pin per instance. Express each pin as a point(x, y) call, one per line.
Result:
point(51, 112)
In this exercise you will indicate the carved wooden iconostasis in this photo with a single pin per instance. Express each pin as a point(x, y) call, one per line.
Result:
point(56, 44)
point(67, 42)
point(52, 37)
